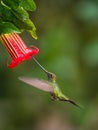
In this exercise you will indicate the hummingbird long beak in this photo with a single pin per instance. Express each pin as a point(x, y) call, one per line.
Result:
point(51, 76)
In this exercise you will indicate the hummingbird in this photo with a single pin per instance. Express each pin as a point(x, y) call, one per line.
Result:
point(50, 85)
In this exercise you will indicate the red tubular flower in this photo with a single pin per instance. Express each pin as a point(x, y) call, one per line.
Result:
point(17, 49)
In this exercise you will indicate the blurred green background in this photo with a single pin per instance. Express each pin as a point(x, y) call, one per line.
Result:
point(68, 43)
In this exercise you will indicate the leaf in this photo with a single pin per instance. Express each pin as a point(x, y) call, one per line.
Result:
point(6, 27)
point(11, 3)
point(12, 12)
point(20, 13)
point(28, 5)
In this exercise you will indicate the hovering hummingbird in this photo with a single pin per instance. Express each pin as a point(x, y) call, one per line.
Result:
point(49, 86)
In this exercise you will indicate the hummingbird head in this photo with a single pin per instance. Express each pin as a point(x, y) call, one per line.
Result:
point(51, 76)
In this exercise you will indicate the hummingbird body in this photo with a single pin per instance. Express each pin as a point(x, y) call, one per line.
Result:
point(57, 93)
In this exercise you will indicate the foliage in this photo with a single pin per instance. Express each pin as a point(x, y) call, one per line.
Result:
point(15, 18)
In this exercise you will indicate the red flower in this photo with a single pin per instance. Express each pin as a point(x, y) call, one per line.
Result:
point(17, 49)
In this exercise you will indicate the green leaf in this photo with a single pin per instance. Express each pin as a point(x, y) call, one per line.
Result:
point(28, 5)
point(6, 27)
point(17, 15)
point(28, 25)
point(20, 13)
point(11, 3)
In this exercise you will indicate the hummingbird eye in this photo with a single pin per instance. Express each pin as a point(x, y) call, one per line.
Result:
point(51, 76)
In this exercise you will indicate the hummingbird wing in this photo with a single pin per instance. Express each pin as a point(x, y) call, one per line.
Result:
point(37, 83)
